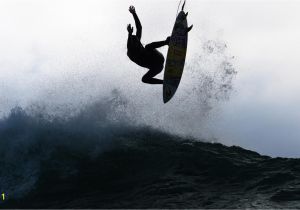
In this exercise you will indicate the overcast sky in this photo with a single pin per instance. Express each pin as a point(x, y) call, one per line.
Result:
point(80, 47)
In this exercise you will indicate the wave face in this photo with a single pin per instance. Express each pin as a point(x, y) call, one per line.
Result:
point(98, 159)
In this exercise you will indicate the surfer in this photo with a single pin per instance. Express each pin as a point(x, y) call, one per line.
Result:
point(148, 56)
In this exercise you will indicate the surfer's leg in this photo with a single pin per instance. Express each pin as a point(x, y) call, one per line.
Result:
point(159, 44)
point(156, 61)
point(148, 77)
point(155, 45)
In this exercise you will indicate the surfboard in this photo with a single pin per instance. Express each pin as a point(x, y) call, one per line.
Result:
point(176, 56)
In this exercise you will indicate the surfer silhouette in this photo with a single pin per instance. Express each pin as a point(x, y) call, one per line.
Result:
point(148, 56)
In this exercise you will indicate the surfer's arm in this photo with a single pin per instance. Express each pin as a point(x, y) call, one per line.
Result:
point(137, 21)
point(130, 31)
point(138, 26)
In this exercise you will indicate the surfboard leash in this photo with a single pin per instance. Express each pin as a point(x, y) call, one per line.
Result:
point(183, 5)
point(178, 8)
point(182, 8)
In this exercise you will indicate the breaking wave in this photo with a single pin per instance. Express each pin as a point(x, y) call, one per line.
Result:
point(95, 160)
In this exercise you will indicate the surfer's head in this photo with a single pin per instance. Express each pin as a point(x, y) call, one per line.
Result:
point(134, 42)
point(134, 47)
point(134, 38)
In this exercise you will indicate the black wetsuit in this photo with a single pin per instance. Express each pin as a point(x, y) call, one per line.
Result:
point(148, 56)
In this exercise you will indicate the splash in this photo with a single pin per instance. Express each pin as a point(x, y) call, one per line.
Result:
point(213, 72)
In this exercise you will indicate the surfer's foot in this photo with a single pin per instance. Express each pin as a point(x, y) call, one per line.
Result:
point(167, 40)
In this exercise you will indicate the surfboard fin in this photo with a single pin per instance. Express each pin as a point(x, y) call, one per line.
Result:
point(189, 28)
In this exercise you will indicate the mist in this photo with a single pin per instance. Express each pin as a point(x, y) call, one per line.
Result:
point(61, 56)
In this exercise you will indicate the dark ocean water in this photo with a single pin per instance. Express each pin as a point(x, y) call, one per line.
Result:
point(92, 160)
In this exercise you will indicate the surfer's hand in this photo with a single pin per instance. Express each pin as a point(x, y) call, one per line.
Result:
point(129, 29)
point(132, 9)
